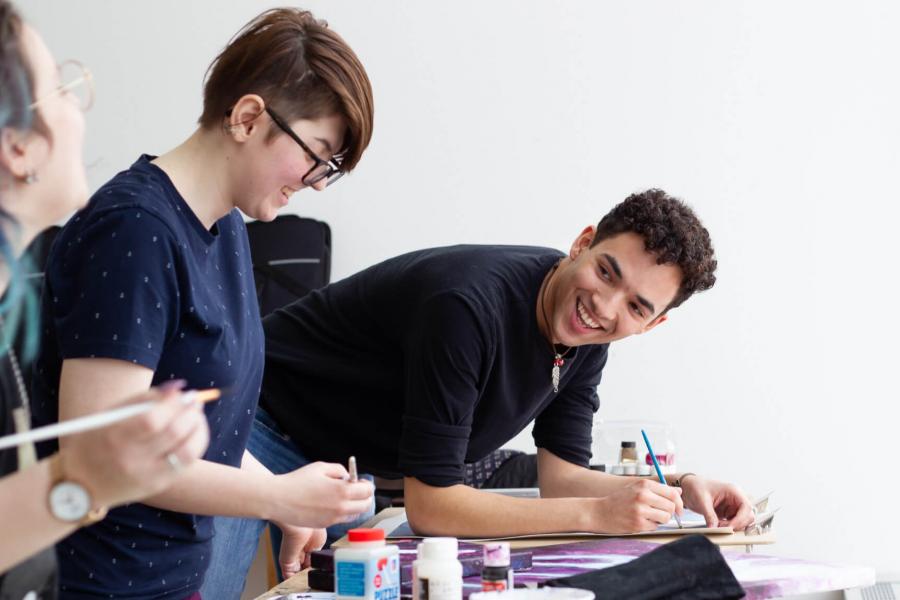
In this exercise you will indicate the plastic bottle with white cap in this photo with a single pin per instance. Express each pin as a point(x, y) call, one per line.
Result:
point(367, 569)
point(437, 572)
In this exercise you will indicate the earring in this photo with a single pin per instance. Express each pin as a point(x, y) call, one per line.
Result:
point(30, 177)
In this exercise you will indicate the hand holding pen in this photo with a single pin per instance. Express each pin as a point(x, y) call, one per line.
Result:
point(659, 472)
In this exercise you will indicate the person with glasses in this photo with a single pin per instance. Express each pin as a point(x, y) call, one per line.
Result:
point(153, 282)
point(42, 180)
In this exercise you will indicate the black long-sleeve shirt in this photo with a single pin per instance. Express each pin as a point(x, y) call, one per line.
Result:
point(427, 361)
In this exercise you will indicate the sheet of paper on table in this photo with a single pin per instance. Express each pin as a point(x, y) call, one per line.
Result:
point(397, 527)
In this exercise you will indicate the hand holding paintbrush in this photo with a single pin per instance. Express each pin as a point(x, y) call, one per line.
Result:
point(101, 419)
point(139, 455)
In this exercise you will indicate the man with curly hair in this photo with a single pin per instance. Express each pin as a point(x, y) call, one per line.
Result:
point(435, 358)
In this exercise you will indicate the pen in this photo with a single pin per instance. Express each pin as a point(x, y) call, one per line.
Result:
point(99, 419)
point(659, 473)
point(351, 466)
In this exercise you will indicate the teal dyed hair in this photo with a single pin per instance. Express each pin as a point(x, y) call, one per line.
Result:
point(19, 305)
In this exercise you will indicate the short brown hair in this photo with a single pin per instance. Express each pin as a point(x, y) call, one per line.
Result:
point(302, 69)
point(671, 231)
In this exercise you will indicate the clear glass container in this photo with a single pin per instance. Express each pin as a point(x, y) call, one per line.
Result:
point(609, 435)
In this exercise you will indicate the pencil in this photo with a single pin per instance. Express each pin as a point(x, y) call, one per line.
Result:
point(659, 472)
point(351, 466)
point(99, 419)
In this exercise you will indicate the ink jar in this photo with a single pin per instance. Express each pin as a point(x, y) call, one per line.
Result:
point(496, 574)
point(628, 453)
point(437, 572)
point(367, 568)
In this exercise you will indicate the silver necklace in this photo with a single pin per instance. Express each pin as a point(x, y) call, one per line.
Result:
point(21, 415)
point(558, 358)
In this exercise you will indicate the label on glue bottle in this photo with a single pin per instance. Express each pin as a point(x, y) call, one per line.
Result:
point(377, 578)
point(439, 589)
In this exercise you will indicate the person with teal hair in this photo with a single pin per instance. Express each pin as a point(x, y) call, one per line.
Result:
point(42, 180)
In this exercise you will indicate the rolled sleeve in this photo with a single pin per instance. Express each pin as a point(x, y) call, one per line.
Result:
point(443, 358)
point(433, 452)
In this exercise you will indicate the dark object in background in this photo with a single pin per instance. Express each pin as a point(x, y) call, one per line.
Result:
point(499, 469)
point(291, 257)
point(690, 568)
point(320, 580)
point(511, 469)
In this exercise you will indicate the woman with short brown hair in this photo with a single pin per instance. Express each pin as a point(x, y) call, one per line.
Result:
point(153, 281)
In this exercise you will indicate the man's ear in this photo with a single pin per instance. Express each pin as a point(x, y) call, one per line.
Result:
point(660, 319)
point(241, 123)
point(582, 242)
point(22, 152)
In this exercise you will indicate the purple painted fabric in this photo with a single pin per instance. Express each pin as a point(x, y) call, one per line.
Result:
point(761, 576)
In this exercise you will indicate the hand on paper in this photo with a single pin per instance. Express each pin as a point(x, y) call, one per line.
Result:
point(721, 504)
point(297, 545)
point(319, 495)
point(639, 506)
point(140, 456)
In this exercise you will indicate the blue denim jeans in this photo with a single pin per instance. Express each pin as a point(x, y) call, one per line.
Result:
point(236, 539)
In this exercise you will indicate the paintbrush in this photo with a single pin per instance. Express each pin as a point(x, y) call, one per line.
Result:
point(100, 419)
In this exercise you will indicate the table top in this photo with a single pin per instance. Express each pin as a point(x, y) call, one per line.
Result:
point(299, 583)
point(725, 539)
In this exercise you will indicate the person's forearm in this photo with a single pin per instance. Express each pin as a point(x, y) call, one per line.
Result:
point(25, 518)
point(208, 488)
point(559, 478)
point(463, 511)
point(562, 479)
point(251, 464)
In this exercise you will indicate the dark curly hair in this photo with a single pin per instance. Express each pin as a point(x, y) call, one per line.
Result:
point(671, 231)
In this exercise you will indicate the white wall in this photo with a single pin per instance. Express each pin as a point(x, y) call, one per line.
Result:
point(520, 122)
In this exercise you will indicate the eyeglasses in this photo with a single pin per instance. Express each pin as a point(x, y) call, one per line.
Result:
point(76, 83)
point(329, 170)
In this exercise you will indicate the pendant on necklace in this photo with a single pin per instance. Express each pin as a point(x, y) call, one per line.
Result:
point(554, 374)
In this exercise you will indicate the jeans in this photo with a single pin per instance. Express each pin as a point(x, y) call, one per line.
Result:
point(236, 539)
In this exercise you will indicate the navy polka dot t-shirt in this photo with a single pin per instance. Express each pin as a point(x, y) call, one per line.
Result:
point(135, 276)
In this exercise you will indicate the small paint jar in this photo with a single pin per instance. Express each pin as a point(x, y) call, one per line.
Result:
point(496, 574)
point(628, 453)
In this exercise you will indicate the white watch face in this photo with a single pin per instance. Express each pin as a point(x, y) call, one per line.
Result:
point(69, 501)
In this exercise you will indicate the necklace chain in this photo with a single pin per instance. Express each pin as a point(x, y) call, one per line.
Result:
point(22, 414)
point(16, 369)
point(558, 358)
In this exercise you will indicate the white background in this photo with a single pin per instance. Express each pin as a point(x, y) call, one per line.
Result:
point(521, 122)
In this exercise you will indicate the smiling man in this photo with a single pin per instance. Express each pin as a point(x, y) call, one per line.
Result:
point(433, 359)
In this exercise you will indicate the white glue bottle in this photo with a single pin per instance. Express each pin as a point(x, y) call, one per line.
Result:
point(437, 572)
point(367, 568)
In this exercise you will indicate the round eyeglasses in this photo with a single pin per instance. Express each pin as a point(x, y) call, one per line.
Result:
point(76, 83)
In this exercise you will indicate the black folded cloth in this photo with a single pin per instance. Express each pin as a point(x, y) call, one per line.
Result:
point(692, 567)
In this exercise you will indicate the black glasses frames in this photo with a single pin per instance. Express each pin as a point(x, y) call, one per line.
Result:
point(329, 170)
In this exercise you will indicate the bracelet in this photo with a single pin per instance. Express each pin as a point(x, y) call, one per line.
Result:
point(677, 482)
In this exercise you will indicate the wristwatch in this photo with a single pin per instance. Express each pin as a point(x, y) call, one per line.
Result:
point(69, 500)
